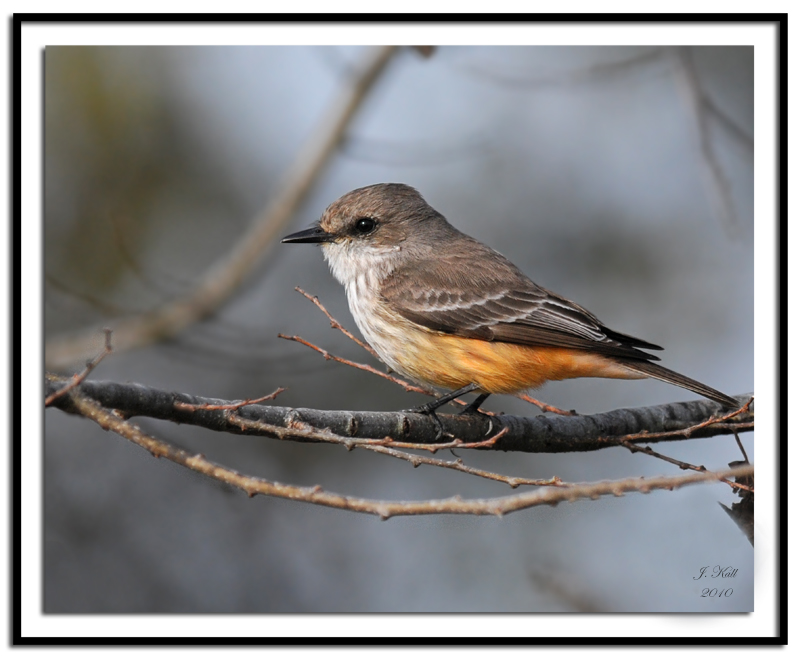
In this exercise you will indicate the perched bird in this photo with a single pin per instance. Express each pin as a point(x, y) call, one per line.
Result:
point(442, 308)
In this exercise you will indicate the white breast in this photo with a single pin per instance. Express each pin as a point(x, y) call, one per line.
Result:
point(361, 270)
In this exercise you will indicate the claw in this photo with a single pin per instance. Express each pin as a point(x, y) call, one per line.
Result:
point(472, 410)
point(429, 409)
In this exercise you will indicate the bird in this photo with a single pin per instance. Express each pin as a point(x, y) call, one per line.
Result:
point(442, 308)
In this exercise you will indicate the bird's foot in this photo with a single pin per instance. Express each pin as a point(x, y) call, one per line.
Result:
point(474, 410)
point(429, 410)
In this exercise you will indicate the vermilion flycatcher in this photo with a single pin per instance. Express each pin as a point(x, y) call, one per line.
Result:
point(445, 309)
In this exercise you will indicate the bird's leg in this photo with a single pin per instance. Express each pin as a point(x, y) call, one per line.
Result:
point(433, 405)
point(474, 407)
point(429, 408)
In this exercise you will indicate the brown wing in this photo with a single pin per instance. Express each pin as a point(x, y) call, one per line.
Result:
point(480, 294)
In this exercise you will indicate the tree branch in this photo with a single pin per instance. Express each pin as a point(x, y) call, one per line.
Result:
point(81, 376)
point(668, 422)
point(89, 408)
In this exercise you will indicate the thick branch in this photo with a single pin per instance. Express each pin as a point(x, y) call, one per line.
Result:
point(668, 422)
point(385, 509)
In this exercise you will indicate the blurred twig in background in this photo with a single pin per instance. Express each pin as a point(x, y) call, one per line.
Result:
point(702, 108)
point(600, 72)
point(222, 279)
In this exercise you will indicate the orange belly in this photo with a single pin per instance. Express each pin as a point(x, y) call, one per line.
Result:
point(452, 362)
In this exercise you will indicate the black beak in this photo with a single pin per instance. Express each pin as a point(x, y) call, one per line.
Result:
point(314, 235)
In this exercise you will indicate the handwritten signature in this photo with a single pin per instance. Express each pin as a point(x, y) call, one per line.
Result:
point(717, 571)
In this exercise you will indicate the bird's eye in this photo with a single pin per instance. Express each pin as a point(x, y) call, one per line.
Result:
point(365, 225)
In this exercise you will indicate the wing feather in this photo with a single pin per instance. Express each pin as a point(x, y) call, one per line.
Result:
point(481, 294)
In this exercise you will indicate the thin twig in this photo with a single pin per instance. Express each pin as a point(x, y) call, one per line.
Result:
point(459, 465)
point(627, 443)
point(685, 466)
point(297, 428)
point(741, 447)
point(79, 377)
point(335, 324)
point(392, 448)
point(644, 436)
point(228, 407)
point(411, 388)
point(219, 281)
point(384, 509)
point(455, 443)
point(543, 406)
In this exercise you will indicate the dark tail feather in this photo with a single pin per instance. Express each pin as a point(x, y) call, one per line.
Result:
point(671, 377)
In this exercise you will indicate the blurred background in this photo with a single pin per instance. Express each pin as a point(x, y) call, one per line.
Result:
point(621, 178)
